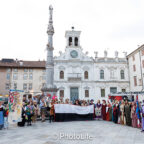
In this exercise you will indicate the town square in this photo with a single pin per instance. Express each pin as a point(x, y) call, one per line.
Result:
point(77, 95)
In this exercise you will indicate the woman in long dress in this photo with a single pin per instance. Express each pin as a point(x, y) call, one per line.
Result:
point(115, 112)
point(104, 106)
point(127, 112)
point(98, 110)
point(122, 116)
point(133, 115)
point(109, 112)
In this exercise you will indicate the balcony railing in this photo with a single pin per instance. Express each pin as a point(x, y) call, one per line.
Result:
point(74, 76)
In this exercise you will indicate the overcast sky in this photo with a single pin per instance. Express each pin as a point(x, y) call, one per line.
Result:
point(105, 24)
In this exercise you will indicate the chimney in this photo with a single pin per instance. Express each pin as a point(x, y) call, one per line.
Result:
point(21, 63)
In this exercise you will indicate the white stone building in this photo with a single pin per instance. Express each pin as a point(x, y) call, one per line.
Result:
point(79, 76)
point(136, 69)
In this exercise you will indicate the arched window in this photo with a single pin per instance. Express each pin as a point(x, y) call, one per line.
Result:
point(86, 74)
point(61, 75)
point(101, 74)
point(61, 93)
point(76, 41)
point(122, 74)
point(70, 41)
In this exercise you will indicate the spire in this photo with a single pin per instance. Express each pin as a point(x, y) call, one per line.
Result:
point(50, 30)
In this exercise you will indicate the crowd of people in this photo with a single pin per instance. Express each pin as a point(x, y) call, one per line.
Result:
point(119, 112)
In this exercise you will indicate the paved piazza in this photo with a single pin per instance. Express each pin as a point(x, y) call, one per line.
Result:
point(82, 132)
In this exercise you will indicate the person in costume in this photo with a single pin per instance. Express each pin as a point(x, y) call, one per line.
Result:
point(104, 106)
point(36, 110)
point(52, 111)
point(43, 109)
point(113, 103)
point(122, 116)
point(127, 112)
point(138, 114)
point(98, 108)
point(142, 112)
point(29, 113)
point(23, 116)
point(6, 112)
point(109, 111)
point(115, 112)
point(1, 115)
point(133, 115)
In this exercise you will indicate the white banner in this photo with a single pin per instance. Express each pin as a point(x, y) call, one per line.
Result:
point(73, 109)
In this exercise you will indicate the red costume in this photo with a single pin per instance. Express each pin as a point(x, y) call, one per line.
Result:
point(104, 111)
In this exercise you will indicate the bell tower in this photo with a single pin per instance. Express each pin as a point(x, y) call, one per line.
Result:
point(72, 38)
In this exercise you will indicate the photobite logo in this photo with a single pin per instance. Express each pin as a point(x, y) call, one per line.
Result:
point(74, 136)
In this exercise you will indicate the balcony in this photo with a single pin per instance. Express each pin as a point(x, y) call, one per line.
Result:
point(74, 76)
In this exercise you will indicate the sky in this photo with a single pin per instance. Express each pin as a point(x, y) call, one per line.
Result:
point(113, 25)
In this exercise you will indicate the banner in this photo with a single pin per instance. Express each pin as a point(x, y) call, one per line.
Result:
point(15, 106)
point(67, 112)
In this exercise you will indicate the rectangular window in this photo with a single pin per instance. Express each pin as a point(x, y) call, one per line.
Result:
point(24, 86)
point(15, 70)
point(7, 87)
point(8, 70)
point(140, 82)
point(15, 76)
point(134, 68)
point(61, 93)
point(101, 74)
point(25, 76)
point(142, 51)
point(30, 70)
point(102, 92)
point(143, 63)
point(30, 76)
point(8, 76)
point(113, 89)
point(86, 93)
point(133, 57)
point(135, 81)
point(30, 86)
point(15, 85)
point(123, 90)
point(25, 70)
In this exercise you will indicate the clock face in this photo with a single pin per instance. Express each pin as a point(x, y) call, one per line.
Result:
point(74, 54)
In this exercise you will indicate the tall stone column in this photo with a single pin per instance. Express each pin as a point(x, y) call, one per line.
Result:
point(50, 88)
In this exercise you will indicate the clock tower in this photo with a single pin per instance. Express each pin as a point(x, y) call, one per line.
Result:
point(73, 43)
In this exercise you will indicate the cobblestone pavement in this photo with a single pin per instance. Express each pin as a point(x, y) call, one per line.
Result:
point(80, 132)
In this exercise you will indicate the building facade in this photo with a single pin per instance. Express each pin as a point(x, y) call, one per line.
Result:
point(22, 75)
point(76, 75)
point(79, 76)
point(136, 69)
